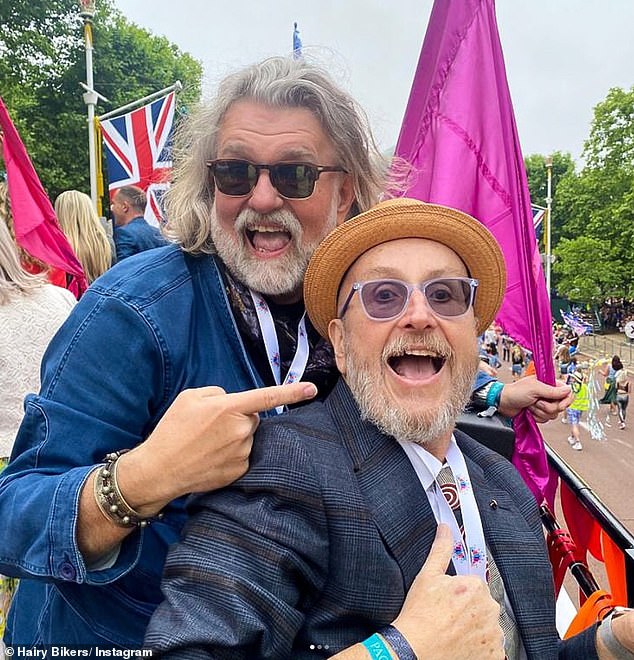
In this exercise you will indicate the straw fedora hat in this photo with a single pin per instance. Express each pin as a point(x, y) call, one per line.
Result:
point(405, 218)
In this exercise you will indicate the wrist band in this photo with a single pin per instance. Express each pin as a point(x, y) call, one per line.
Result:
point(398, 642)
point(609, 638)
point(109, 498)
point(479, 397)
point(376, 648)
point(494, 394)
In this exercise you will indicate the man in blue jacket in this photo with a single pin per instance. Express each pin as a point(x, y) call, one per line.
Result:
point(132, 233)
point(164, 355)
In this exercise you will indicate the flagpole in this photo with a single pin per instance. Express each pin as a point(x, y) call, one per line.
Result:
point(87, 13)
point(177, 87)
point(549, 199)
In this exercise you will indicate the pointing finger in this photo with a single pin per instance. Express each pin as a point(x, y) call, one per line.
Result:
point(267, 398)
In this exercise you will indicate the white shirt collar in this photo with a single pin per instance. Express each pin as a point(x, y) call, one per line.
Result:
point(426, 465)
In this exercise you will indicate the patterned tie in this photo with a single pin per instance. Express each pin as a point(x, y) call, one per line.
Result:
point(447, 483)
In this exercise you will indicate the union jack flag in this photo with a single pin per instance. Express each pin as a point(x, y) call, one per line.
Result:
point(539, 214)
point(138, 151)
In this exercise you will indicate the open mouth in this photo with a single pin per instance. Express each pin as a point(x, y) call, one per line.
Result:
point(268, 240)
point(416, 364)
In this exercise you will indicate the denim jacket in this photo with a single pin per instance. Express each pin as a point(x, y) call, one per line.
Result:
point(152, 326)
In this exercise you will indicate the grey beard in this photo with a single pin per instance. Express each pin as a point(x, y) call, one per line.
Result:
point(282, 276)
point(423, 426)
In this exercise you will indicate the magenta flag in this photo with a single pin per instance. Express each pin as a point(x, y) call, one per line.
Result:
point(34, 221)
point(459, 133)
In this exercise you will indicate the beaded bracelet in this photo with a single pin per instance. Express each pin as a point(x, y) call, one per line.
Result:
point(109, 498)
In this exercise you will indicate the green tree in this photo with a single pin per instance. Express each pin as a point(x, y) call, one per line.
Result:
point(36, 39)
point(599, 200)
point(537, 173)
point(128, 63)
point(586, 271)
point(611, 142)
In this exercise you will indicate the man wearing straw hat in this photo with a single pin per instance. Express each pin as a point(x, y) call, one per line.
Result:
point(167, 355)
point(318, 550)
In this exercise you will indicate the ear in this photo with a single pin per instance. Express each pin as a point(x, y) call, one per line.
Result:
point(346, 198)
point(336, 333)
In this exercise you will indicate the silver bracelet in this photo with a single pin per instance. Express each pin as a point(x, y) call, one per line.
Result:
point(110, 499)
point(607, 636)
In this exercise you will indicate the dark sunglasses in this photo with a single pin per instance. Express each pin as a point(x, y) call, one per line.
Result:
point(292, 180)
point(385, 300)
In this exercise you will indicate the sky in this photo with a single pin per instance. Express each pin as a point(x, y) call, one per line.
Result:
point(562, 56)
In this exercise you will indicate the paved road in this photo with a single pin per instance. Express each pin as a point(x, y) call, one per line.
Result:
point(607, 468)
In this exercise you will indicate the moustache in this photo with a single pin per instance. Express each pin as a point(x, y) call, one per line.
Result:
point(282, 220)
point(428, 342)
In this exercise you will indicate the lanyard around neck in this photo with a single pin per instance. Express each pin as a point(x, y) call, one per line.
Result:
point(472, 559)
point(267, 326)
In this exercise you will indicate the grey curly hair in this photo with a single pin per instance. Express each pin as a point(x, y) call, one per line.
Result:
point(279, 82)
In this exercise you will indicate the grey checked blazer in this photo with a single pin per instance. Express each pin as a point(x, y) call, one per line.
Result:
point(315, 547)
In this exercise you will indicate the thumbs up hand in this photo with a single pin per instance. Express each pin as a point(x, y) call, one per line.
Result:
point(450, 616)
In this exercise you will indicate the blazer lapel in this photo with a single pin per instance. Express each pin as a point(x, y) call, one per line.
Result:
point(389, 484)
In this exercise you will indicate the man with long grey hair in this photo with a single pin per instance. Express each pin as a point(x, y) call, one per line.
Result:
point(153, 388)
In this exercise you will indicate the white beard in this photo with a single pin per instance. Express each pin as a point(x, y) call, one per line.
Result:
point(424, 426)
point(274, 277)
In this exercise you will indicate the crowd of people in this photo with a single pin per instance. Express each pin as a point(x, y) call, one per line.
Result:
point(616, 314)
point(574, 369)
point(354, 521)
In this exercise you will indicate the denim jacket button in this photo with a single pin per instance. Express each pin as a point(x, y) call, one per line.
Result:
point(67, 571)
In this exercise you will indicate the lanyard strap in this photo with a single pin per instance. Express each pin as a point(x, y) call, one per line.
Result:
point(267, 326)
point(472, 559)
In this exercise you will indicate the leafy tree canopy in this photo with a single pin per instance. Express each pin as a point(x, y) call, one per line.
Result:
point(593, 210)
point(537, 173)
point(611, 142)
point(587, 271)
point(40, 79)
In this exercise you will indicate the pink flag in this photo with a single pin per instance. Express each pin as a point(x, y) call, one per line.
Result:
point(35, 224)
point(459, 132)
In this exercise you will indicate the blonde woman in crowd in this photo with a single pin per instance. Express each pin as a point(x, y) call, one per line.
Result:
point(31, 311)
point(80, 222)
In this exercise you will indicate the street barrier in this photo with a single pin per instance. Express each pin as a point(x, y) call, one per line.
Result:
point(595, 530)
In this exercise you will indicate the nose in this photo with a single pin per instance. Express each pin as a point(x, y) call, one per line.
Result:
point(265, 198)
point(418, 314)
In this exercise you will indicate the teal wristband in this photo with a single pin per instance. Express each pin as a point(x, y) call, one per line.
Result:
point(494, 394)
point(376, 648)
